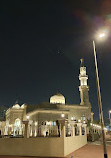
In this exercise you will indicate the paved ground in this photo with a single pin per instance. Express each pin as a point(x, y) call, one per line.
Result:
point(108, 142)
point(91, 151)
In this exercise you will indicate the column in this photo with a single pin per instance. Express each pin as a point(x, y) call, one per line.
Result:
point(9, 130)
point(80, 130)
point(35, 132)
point(73, 131)
point(20, 130)
point(26, 132)
point(14, 134)
point(63, 133)
point(30, 130)
point(85, 126)
point(59, 129)
point(6, 131)
point(12, 129)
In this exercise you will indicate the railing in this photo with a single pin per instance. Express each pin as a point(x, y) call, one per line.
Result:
point(48, 131)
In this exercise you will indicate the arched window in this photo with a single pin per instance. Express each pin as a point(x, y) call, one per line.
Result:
point(17, 122)
point(17, 127)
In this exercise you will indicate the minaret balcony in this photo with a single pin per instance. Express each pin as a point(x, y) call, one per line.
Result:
point(83, 75)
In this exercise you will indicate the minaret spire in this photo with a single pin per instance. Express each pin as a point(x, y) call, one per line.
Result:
point(82, 62)
point(83, 88)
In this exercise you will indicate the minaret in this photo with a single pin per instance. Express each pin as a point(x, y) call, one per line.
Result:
point(83, 88)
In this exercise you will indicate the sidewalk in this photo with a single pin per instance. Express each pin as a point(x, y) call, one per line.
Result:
point(90, 151)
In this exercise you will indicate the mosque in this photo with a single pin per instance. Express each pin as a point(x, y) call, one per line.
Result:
point(50, 129)
point(43, 118)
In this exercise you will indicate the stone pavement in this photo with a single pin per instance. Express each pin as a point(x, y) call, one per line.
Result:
point(90, 151)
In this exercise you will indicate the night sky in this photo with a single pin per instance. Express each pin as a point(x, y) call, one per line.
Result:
point(41, 43)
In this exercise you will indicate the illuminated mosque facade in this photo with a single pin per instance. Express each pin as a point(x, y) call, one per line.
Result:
point(50, 129)
point(43, 119)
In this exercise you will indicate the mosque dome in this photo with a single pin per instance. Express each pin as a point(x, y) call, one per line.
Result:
point(57, 98)
point(16, 106)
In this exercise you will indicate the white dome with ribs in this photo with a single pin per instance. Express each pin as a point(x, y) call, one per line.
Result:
point(57, 99)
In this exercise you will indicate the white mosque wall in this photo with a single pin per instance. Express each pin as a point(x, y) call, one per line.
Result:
point(45, 146)
point(73, 143)
point(49, 147)
point(32, 147)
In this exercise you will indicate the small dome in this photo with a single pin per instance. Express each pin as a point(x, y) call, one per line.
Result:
point(23, 106)
point(57, 98)
point(16, 106)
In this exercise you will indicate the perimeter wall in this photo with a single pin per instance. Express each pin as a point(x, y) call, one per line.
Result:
point(42, 146)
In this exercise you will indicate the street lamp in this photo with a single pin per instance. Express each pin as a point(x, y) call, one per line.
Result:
point(99, 98)
point(62, 115)
point(102, 35)
point(110, 116)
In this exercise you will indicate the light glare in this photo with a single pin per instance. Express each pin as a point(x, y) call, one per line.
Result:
point(101, 35)
point(79, 120)
point(27, 117)
point(62, 115)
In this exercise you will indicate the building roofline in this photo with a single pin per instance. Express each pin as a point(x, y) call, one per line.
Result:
point(46, 111)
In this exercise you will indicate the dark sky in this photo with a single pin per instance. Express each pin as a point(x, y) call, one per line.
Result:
point(41, 43)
